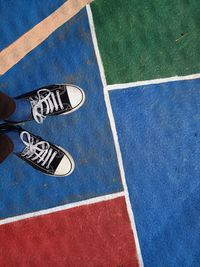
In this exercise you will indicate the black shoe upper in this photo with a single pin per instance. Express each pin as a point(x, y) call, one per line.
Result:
point(53, 94)
point(61, 90)
point(36, 150)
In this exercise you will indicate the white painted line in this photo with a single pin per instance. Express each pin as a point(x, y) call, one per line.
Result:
point(62, 208)
point(94, 39)
point(120, 162)
point(151, 82)
point(114, 132)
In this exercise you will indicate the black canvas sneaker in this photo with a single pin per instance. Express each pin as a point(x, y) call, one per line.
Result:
point(40, 154)
point(59, 99)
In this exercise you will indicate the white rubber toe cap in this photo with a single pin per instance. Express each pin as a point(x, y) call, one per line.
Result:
point(76, 96)
point(65, 167)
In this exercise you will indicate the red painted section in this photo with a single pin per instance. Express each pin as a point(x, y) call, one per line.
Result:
point(94, 235)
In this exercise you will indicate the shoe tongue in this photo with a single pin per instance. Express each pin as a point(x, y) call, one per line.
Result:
point(65, 100)
point(35, 141)
point(54, 164)
point(56, 161)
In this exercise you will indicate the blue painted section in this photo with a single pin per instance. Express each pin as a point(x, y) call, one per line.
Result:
point(159, 134)
point(17, 17)
point(67, 56)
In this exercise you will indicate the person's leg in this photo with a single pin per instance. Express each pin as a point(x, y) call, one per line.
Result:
point(10, 142)
point(12, 109)
point(7, 106)
point(6, 147)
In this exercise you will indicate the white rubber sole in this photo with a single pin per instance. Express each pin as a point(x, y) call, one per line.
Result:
point(71, 161)
point(79, 105)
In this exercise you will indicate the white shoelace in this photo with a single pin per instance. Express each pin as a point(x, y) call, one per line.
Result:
point(40, 151)
point(45, 104)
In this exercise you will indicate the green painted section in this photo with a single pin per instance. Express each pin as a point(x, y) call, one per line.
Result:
point(142, 40)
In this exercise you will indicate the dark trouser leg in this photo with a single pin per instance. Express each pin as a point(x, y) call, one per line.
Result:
point(7, 106)
point(6, 147)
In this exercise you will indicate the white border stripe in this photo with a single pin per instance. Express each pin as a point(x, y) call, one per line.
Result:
point(114, 132)
point(63, 207)
point(95, 44)
point(156, 81)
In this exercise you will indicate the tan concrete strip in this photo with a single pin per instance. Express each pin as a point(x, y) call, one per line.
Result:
point(35, 36)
